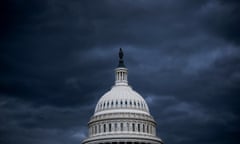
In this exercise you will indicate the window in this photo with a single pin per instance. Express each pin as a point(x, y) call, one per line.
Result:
point(115, 127)
point(110, 127)
point(138, 127)
point(104, 128)
point(121, 126)
point(143, 128)
point(133, 127)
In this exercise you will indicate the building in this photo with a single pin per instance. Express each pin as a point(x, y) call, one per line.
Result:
point(122, 115)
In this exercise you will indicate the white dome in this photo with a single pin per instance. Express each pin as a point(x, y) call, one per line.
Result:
point(122, 115)
point(121, 98)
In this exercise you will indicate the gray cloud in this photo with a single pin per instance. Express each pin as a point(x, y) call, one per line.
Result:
point(57, 58)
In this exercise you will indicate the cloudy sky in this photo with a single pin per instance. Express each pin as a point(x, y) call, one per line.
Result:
point(57, 59)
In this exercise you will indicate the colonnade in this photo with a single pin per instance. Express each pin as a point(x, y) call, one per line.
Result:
point(118, 127)
point(121, 75)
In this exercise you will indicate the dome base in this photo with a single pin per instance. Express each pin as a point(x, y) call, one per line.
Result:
point(123, 139)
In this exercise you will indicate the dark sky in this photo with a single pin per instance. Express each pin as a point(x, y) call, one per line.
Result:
point(57, 58)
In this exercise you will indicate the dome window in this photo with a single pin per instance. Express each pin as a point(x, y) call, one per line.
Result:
point(121, 126)
point(110, 127)
point(138, 127)
point(115, 127)
point(133, 127)
point(104, 128)
point(125, 102)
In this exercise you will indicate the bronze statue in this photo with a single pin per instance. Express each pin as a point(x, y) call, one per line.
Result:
point(121, 62)
point(120, 53)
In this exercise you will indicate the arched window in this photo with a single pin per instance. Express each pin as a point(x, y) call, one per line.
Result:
point(138, 127)
point(133, 127)
point(115, 127)
point(110, 127)
point(121, 125)
point(147, 129)
point(128, 129)
point(144, 128)
point(112, 103)
point(121, 103)
point(104, 127)
point(126, 102)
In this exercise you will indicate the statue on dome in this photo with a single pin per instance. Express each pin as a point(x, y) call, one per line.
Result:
point(121, 62)
point(120, 53)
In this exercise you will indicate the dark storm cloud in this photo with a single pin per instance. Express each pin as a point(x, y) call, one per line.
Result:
point(225, 22)
point(57, 58)
point(41, 124)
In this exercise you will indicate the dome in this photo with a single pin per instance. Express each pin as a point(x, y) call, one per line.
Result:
point(121, 98)
point(121, 115)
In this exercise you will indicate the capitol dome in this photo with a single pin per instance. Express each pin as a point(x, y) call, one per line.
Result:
point(121, 115)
